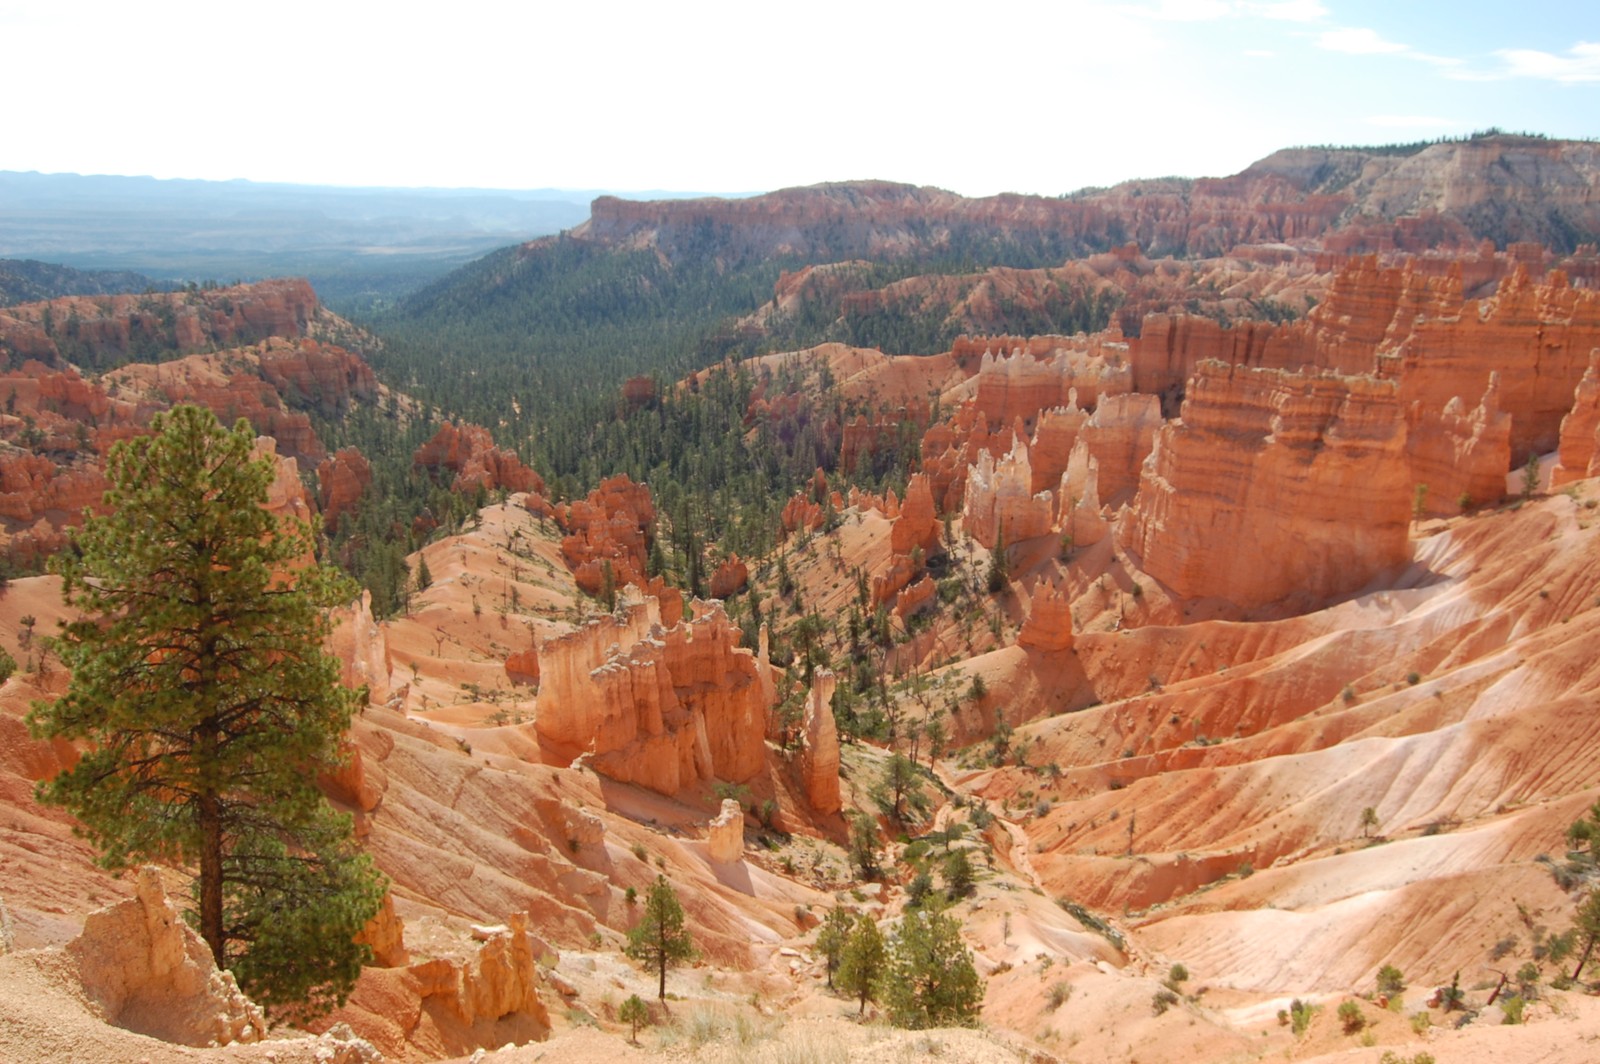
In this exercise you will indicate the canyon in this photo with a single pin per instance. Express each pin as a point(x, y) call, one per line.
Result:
point(1248, 635)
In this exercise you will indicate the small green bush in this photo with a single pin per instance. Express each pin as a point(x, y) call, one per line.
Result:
point(1351, 1017)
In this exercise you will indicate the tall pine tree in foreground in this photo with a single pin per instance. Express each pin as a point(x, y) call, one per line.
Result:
point(660, 940)
point(208, 708)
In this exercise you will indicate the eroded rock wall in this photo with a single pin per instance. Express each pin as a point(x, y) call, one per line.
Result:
point(1275, 484)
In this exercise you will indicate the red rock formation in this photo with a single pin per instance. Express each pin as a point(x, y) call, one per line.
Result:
point(501, 980)
point(729, 578)
point(1410, 323)
point(951, 448)
point(111, 329)
point(522, 667)
point(1049, 623)
point(1580, 429)
point(341, 482)
point(1460, 454)
point(998, 500)
point(323, 376)
point(1019, 386)
point(800, 513)
point(469, 452)
point(914, 597)
point(385, 934)
point(1307, 471)
point(1119, 435)
point(612, 526)
point(819, 756)
point(897, 576)
point(663, 707)
point(916, 524)
point(1053, 439)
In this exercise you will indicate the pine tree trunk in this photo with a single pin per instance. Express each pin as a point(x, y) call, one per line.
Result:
point(211, 875)
point(1584, 959)
point(661, 991)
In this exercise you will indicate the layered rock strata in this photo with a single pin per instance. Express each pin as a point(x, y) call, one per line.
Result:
point(666, 707)
point(1307, 470)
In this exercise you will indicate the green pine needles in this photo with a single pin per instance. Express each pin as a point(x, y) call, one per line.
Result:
point(208, 708)
point(660, 940)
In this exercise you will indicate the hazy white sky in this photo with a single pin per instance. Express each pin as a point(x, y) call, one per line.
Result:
point(978, 97)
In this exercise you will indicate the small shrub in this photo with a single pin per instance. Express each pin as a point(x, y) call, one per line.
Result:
point(1300, 1013)
point(1420, 1022)
point(1164, 999)
point(1177, 974)
point(1391, 980)
point(1511, 1010)
point(1413, 678)
point(1391, 1057)
point(631, 896)
point(1351, 1017)
point(1059, 994)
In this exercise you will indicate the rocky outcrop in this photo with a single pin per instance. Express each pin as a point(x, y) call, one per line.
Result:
point(342, 480)
point(663, 707)
point(1119, 435)
point(1460, 455)
point(1000, 503)
point(729, 578)
point(385, 935)
point(362, 647)
point(1411, 324)
point(1018, 386)
point(1307, 470)
point(1049, 623)
point(522, 666)
point(819, 756)
point(610, 529)
point(502, 979)
point(323, 377)
point(916, 526)
point(109, 330)
point(286, 495)
point(725, 834)
point(146, 970)
point(1054, 436)
point(1580, 429)
point(469, 452)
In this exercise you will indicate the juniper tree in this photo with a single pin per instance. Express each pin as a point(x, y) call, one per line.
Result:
point(207, 708)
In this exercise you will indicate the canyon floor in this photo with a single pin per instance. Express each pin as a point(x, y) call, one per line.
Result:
point(1205, 809)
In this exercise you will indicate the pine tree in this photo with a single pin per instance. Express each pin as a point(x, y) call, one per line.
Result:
point(634, 1011)
point(864, 962)
point(931, 981)
point(660, 940)
point(207, 708)
point(831, 939)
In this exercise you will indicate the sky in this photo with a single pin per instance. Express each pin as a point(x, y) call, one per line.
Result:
point(978, 97)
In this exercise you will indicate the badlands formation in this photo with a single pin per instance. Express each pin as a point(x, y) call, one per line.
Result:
point(1260, 649)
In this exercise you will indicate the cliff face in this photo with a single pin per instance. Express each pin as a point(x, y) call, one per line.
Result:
point(1307, 471)
point(1410, 324)
point(1580, 429)
point(1504, 187)
point(108, 330)
point(666, 707)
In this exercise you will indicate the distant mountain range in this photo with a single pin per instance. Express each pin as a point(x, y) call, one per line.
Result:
point(356, 245)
